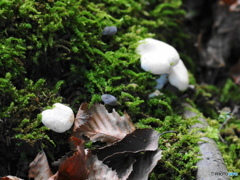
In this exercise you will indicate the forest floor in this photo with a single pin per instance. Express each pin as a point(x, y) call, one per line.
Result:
point(214, 44)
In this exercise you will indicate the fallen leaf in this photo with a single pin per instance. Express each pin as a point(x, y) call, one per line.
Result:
point(229, 2)
point(99, 125)
point(74, 167)
point(122, 163)
point(137, 141)
point(63, 158)
point(81, 166)
point(122, 155)
point(145, 164)
point(100, 171)
point(39, 167)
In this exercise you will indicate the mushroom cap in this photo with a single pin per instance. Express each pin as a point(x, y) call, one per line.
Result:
point(58, 119)
point(152, 62)
point(109, 30)
point(179, 76)
point(156, 56)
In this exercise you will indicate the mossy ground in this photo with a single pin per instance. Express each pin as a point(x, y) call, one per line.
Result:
point(54, 51)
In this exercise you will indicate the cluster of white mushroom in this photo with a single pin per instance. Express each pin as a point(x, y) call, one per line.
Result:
point(162, 59)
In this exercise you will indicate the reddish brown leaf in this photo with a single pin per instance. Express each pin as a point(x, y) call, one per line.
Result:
point(99, 125)
point(39, 168)
point(10, 178)
point(229, 2)
point(74, 167)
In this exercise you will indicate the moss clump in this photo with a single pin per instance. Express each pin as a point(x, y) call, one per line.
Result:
point(20, 106)
point(179, 150)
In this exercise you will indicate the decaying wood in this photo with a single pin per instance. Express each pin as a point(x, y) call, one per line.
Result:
point(211, 166)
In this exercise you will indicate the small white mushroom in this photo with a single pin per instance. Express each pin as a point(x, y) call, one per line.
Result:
point(162, 59)
point(58, 119)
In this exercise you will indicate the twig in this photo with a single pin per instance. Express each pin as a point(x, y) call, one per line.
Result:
point(168, 132)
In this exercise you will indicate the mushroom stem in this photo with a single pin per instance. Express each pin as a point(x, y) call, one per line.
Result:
point(161, 81)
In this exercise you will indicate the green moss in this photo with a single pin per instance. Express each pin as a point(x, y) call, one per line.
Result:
point(179, 160)
point(20, 106)
point(230, 92)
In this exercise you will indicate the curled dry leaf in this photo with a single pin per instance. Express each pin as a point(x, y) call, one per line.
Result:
point(100, 171)
point(145, 164)
point(122, 163)
point(39, 167)
point(137, 141)
point(99, 125)
point(122, 155)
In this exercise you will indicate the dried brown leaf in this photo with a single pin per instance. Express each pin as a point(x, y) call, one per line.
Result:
point(99, 125)
point(39, 167)
point(122, 163)
point(100, 171)
point(63, 158)
point(74, 167)
point(145, 164)
point(121, 156)
point(137, 141)
point(229, 2)
point(81, 167)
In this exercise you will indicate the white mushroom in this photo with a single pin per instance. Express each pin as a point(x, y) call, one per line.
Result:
point(58, 119)
point(157, 53)
point(160, 58)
